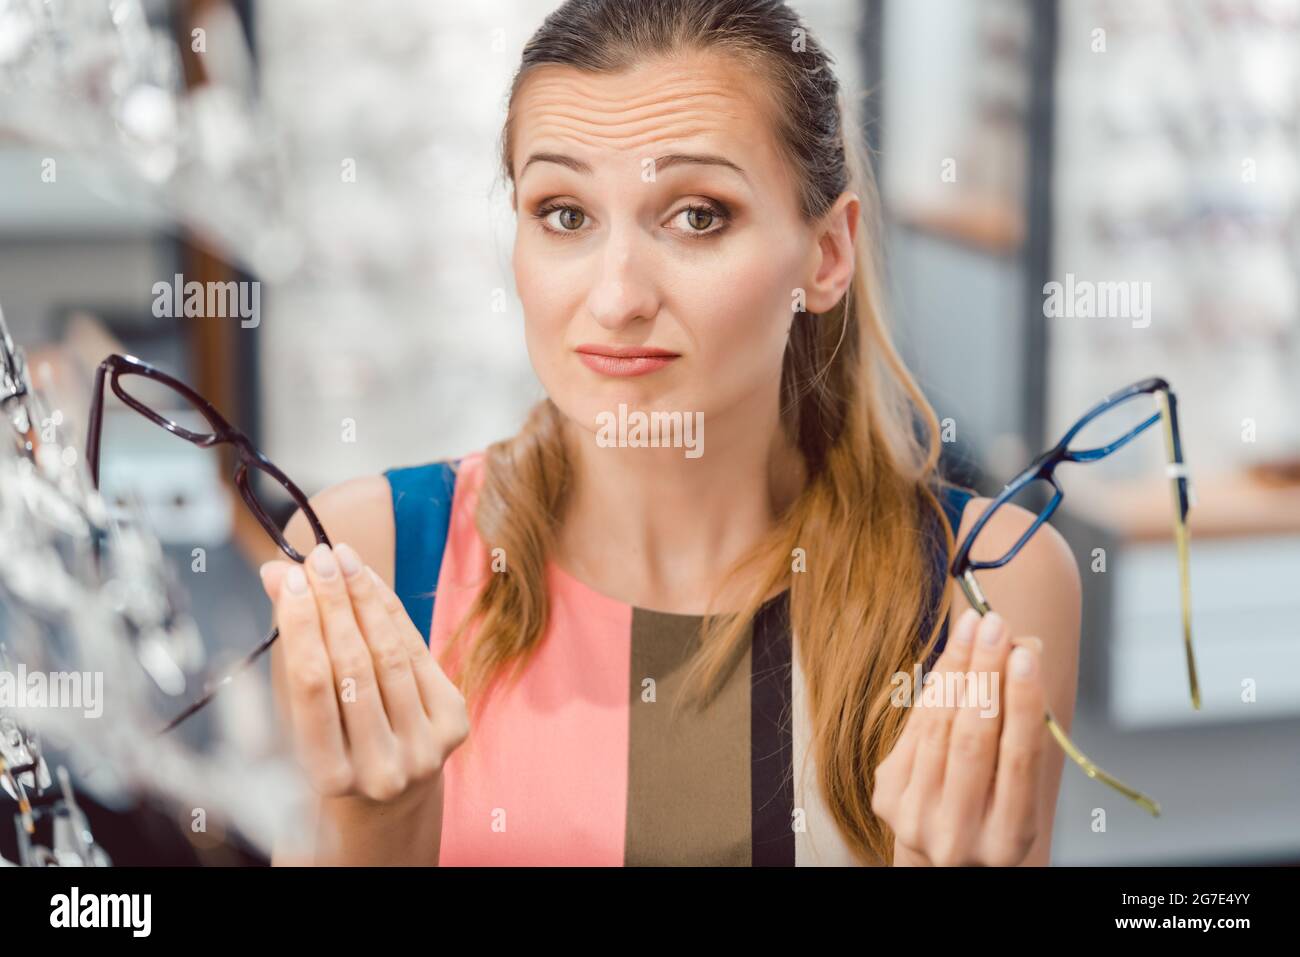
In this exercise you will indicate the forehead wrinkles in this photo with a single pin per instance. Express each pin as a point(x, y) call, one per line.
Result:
point(635, 109)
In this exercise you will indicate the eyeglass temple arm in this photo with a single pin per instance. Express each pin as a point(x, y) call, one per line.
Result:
point(1177, 471)
point(95, 426)
point(211, 691)
point(975, 596)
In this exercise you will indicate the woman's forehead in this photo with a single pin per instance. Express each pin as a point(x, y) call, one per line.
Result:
point(709, 102)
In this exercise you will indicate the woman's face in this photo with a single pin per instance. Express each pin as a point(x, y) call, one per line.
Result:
point(655, 215)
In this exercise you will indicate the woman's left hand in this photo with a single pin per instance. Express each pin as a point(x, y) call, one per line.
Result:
point(961, 787)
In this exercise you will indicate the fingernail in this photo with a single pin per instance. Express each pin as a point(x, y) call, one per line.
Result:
point(1028, 640)
point(991, 629)
point(322, 559)
point(1022, 663)
point(263, 569)
point(296, 580)
point(965, 630)
point(348, 560)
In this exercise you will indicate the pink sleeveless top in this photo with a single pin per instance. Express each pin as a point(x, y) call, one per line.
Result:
point(581, 761)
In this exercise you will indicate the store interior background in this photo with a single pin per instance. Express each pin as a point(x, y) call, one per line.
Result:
point(1016, 142)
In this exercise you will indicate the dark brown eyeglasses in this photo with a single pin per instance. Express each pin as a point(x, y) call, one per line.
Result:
point(119, 368)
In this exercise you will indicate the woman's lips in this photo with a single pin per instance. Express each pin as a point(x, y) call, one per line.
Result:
point(624, 360)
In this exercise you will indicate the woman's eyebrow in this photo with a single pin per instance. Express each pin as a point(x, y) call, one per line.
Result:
point(698, 159)
point(660, 164)
point(577, 165)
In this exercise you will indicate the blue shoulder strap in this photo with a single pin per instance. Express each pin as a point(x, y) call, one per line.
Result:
point(954, 502)
point(422, 496)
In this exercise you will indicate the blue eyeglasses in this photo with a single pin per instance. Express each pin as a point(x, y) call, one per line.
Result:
point(1108, 419)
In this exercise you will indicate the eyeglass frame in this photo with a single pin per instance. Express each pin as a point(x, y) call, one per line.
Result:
point(963, 567)
point(116, 365)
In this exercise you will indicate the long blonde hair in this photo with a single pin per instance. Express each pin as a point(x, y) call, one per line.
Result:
point(868, 517)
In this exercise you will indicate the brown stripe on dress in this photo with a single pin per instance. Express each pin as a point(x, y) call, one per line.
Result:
point(771, 736)
point(688, 789)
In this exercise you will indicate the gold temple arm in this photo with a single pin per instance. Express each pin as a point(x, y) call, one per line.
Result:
point(1091, 769)
point(1178, 471)
point(975, 595)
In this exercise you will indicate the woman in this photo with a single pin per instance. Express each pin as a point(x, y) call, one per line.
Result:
point(673, 654)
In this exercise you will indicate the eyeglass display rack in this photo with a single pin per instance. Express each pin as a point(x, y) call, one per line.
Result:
point(1177, 176)
point(89, 607)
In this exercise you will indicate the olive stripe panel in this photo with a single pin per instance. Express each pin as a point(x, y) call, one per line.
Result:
point(688, 774)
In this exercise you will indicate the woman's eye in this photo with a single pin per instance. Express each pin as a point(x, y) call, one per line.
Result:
point(570, 218)
point(696, 220)
point(561, 219)
point(702, 220)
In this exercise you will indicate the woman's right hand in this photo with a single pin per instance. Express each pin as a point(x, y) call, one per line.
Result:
point(373, 715)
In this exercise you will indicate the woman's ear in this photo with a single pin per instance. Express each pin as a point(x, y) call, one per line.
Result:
point(834, 261)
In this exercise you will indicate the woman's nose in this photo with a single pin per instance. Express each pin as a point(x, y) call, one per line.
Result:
point(622, 290)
